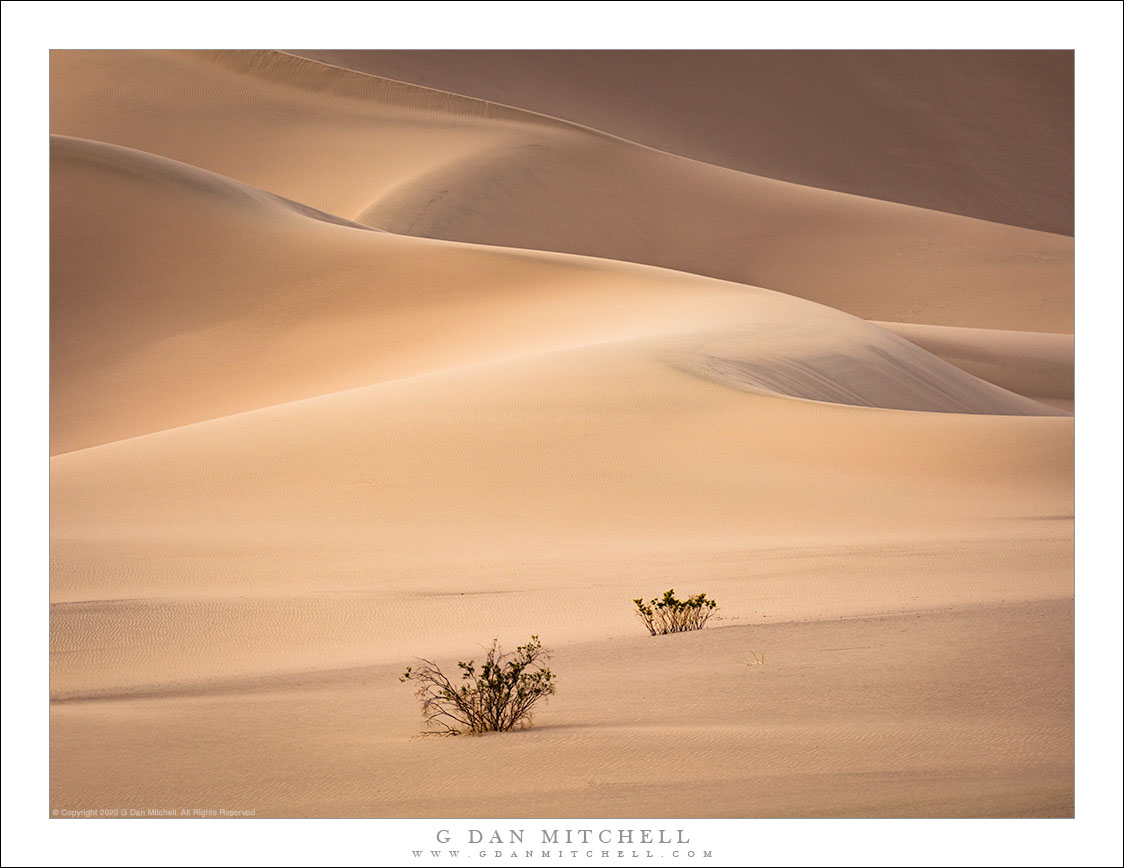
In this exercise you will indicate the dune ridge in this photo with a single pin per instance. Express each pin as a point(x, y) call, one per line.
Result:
point(983, 124)
point(546, 185)
point(294, 311)
point(346, 370)
point(1037, 365)
point(153, 168)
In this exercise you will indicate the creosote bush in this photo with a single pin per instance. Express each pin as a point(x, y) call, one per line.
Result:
point(668, 615)
point(497, 698)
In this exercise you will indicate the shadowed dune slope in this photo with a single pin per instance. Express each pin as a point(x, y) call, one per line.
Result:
point(346, 370)
point(423, 162)
point(180, 296)
point(608, 198)
point(1039, 366)
point(987, 134)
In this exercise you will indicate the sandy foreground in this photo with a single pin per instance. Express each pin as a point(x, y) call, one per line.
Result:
point(346, 371)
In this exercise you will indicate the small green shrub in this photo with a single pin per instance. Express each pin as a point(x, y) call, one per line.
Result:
point(669, 615)
point(498, 698)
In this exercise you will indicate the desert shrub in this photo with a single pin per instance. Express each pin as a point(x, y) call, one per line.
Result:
point(668, 615)
point(496, 698)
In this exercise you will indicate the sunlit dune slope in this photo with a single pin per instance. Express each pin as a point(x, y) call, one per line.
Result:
point(587, 417)
point(180, 296)
point(428, 163)
point(523, 483)
point(346, 370)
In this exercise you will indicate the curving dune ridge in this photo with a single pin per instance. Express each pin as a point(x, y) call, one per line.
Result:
point(997, 152)
point(421, 162)
point(218, 298)
point(346, 370)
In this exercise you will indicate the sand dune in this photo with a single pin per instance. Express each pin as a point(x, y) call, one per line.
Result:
point(218, 298)
point(290, 453)
point(319, 518)
point(423, 162)
point(1039, 366)
point(328, 138)
point(980, 133)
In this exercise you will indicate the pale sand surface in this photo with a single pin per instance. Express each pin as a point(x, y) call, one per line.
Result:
point(951, 713)
point(290, 453)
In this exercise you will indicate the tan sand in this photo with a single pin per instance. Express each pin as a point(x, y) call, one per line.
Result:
point(981, 133)
point(1033, 364)
point(212, 298)
point(429, 163)
point(951, 714)
point(290, 453)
